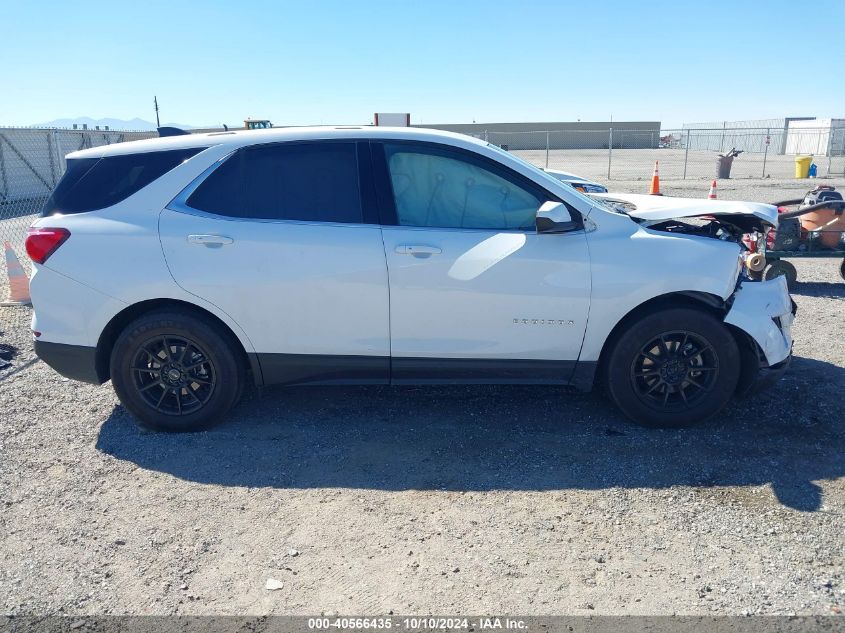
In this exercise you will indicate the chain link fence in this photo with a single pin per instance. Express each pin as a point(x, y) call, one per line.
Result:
point(31, 163)
point(683, 154)
point(33, 160)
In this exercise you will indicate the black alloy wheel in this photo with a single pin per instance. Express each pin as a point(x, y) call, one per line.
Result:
point(174, 375)
point(675, 370)
point(177, 370)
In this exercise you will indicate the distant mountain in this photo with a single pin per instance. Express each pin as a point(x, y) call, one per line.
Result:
point(114, 124)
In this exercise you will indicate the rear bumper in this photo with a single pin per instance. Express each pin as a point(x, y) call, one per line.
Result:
point(77, 362)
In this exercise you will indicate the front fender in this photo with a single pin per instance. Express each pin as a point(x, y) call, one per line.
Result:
point(631, 266)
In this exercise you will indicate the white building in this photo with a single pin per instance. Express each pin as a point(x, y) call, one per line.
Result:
point(816, 137)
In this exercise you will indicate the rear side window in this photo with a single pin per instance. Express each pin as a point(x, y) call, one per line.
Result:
point(312, 182)
point(96, 183)
point(222, 191)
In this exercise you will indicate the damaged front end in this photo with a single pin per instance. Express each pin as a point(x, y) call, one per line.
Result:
point(744, 223)
point(760, 312)
point(763, 311)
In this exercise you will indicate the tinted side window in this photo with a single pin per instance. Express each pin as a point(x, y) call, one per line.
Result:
point(313, 182)
point(440, 188)
point(316, 182)
point(96, 183)
point(222, 191)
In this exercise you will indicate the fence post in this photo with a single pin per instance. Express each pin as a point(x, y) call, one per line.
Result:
point(60, 159)
point(3, 177)
point(609, 150)
point(766, 152)
point(5, 180)
point(686, 156)
point(831, 135)
point(52, 156)
point(547, 149)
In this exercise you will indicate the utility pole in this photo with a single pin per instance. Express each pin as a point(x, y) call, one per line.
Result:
point(155, 101)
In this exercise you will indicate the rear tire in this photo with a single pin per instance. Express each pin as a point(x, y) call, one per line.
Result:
point(673, 368)
point(176, 372)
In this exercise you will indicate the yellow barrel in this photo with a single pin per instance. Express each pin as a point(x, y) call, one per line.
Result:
point(802, 166)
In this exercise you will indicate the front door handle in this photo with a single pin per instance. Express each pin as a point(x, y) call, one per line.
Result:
point(418, 249)
point(210, 240)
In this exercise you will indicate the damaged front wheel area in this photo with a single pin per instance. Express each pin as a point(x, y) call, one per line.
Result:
point(673, 367)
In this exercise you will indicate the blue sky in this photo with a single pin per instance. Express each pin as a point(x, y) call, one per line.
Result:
point(444, 61)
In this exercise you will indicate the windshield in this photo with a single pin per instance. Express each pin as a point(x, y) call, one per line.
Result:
point(584, 198)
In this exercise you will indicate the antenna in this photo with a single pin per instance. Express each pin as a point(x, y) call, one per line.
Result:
point(155, 101)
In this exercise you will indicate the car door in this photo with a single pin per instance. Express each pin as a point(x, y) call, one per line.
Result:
point(476, 293)
point(283, 239)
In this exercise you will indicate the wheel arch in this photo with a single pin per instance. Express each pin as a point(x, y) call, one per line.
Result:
point(715, 305)
point(119, 321)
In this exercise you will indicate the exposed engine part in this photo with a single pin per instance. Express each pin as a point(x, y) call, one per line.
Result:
point(753, 265)
point(716, 229)
point(754, 262)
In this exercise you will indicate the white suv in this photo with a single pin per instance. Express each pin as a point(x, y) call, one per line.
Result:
point(182, 267)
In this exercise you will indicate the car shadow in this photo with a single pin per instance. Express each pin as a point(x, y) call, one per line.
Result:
point(482, 438)
point(822, 289)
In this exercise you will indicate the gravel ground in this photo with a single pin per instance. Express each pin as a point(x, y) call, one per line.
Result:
point(638, 164)
point(523, 500)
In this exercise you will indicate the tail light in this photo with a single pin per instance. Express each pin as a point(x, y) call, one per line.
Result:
point(43, 242)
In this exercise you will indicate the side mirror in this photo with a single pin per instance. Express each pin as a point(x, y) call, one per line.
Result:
point(554, 217)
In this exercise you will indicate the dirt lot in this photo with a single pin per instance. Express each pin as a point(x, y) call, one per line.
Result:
point(523, 500)
point(677, 165)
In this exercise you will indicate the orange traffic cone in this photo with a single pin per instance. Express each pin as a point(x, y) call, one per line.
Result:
point(18, 281)
point(712, 194)
point(654, 190)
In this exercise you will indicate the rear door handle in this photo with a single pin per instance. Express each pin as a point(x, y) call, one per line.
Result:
point(209, 240)
point(417, 249)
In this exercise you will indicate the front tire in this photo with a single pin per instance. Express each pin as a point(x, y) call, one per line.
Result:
point(175, 372)
point(673, 368)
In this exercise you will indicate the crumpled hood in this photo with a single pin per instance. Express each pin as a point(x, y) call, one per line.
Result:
point(659, 208)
